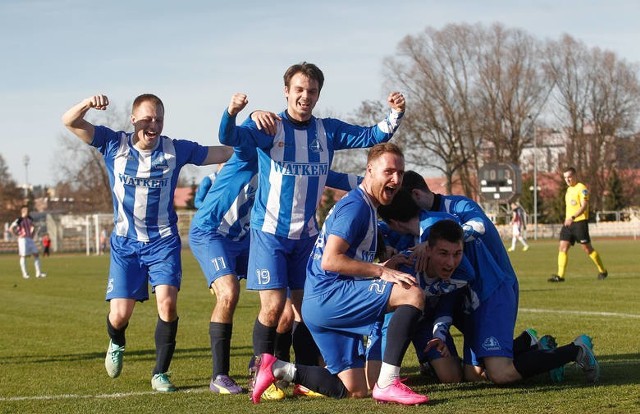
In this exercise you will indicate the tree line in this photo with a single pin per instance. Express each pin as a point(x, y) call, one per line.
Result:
point(476, 94)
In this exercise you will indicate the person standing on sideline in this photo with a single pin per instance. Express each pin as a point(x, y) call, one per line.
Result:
point(346, 294)
point(518, 227)
point(143, 168)
point(24, 229)
point(293, 167)
point(46, 245)
point(576, 227)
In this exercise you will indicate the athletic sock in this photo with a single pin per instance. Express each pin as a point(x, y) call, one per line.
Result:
point(284, 370)
point(563, 259)
point(23, 265)
point(263, 338)
point(305, 348)
point(399, 333)
point(523, 344)
point(282, 346)
point(165, 344)
point(596, 259)
point(36, 262)
point(320, 380)
point(538, 361)
point(116, 335)
point(220, 335)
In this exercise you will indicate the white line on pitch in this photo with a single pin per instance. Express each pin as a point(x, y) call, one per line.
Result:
point(79, 396)
point(585, 313)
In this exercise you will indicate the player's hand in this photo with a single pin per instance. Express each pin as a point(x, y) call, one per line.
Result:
point(439, 345)
point(237, 104)
point(266, 121)
point(396, 101)
point(397, 260)
point(420, 256)
point(99, 102)
point(398, 277)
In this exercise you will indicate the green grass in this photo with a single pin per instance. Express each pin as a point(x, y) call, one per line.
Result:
point(53, 340)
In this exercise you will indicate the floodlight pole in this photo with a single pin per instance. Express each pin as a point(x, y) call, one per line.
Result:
point(535, 183)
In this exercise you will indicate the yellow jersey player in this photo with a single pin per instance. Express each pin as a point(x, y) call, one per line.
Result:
point(576, 226)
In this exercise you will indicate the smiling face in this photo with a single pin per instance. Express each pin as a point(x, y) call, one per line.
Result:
point(384, 177)
point(444, 258)
point(148, 121)
point(302, 94)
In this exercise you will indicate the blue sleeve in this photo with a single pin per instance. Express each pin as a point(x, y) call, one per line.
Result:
point(104, 138)
point(201, 191)
point(346, 136)
point(350, 221)
point(189, 152)
point(473, 219)
point(245, 134)
point(343, 181)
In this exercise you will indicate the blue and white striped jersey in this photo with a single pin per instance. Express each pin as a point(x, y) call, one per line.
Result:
point(353, 219)
point(143, 183)
point(226, 207)
point(293, 166)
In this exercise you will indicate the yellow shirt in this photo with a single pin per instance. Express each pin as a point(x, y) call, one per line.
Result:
point(574, 199)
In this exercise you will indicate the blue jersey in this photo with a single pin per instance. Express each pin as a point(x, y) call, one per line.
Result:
point(226, 206)
point(353, 219)
point(203, 189)
point(143, 182)
point(294, 164)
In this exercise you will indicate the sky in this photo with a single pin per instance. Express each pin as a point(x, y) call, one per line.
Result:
point(194, 54)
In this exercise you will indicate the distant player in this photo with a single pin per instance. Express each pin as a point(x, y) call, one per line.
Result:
point(518, 227)
point(576, 227)
point(25, 230)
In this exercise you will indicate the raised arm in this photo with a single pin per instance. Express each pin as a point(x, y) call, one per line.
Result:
point(74, 120)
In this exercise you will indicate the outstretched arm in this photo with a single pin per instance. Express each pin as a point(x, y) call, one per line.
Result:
point(74, 120)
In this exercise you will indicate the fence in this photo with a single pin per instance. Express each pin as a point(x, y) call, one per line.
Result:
point(81, 233)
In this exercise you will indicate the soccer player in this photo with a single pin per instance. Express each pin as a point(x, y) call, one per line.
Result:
point(219, 239)
point(143, 168)
point(293, 168)
point(576, 226)
point(492, 307)
point(25, 230)
point(346, 294)
point(518, 227)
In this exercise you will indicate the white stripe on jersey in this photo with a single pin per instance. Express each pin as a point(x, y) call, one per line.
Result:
point(272, 212)
point(300, 187)
point(142, 196)
point(119, 164)
point(166, 196)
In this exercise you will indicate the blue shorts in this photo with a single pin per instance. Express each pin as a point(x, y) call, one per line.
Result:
point(218, 255)
point(489, 329)
point(339, 317)
point(136, 264)
point(277, 262)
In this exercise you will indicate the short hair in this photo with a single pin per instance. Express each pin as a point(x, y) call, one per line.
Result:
point(412, 180)
point(570, 169)
point(379, 149)
point(402, 208)
point(447, 230)
point(308, 69)
point(146, 97)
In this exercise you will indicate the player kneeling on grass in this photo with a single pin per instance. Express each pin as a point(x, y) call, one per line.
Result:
point(345, 294)
point(488, 327)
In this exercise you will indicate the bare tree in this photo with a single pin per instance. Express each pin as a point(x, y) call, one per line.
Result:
point(472, 91)
point(11, 196)
point(597, 98)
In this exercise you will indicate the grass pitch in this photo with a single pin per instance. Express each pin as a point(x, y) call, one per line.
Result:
point(53, 342)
